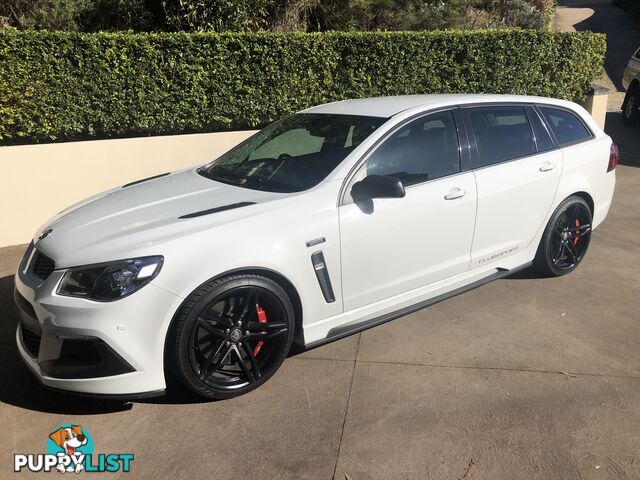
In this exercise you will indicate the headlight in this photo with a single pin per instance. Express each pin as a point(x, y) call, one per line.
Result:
point(106, 282)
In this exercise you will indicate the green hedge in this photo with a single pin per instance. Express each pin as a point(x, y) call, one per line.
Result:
point(61, 86)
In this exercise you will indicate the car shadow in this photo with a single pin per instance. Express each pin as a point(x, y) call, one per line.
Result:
point(525, 274)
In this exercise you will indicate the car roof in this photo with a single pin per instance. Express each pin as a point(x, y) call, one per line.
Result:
point(389, 106)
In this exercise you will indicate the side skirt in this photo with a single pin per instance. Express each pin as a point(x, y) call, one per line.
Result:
point(346, 330)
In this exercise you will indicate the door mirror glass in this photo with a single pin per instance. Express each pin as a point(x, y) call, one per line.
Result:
point(377, 186)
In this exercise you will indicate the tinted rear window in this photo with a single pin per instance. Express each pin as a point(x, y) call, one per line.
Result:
point(566, 126)
point(501, 133)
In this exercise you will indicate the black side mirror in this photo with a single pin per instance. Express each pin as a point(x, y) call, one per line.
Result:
point(377, 186)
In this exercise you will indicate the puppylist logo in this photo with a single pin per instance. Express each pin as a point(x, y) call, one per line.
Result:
point(70, 449)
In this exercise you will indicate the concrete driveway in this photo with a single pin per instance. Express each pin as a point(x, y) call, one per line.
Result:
point(528, 377)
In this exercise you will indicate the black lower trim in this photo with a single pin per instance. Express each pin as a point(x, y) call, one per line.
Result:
point(347, 330)
point(105, 396)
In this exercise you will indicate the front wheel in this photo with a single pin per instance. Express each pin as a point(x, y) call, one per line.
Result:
point(231, 335)
point(566, 238)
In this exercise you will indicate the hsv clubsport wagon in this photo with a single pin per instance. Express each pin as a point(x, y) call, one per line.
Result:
point(325, 223)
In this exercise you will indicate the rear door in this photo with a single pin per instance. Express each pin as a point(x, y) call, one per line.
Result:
point(517, 169)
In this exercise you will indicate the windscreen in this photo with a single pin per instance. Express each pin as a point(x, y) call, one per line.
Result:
point(292, 154)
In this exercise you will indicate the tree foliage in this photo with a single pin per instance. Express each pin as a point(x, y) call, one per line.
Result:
point(272, 15)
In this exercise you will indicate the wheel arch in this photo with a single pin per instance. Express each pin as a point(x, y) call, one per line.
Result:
point(271, 274)
point(586, 197)
point(285, 283)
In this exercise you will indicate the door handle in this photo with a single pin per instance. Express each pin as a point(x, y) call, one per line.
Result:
point(547, 166)
point(455, 193)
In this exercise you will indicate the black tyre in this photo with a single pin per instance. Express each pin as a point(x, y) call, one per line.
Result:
point(631, 105)
point(566, 238)
point(230, 336)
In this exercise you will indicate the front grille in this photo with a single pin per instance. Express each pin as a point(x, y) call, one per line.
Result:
point(31, 341)
point(43, 265)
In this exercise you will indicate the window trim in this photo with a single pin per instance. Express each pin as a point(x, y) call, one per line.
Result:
point(463, 148)
point(535, 106)
point(531, 111)
point(538, 107)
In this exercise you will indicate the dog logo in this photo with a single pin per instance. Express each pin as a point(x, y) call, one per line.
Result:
point(69, 439)
point(70, 450)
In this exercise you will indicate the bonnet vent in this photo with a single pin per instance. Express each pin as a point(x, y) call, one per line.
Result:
point(231, 206)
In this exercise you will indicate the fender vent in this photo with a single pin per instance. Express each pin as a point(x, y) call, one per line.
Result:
point(217, 209)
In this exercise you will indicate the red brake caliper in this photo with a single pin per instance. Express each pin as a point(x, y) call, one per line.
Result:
point(575, 240)
point(262, 318)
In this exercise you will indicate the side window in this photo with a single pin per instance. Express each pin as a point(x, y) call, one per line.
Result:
point(542, 137)
point(423, 150)
point(566, 126)
point(502, 133)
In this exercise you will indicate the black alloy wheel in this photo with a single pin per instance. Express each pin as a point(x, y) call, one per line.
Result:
point(566, 238)
point(232, 335)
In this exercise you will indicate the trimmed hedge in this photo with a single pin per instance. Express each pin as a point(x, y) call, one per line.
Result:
point(63, 86)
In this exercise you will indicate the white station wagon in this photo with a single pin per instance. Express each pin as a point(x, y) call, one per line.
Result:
point(325, 223)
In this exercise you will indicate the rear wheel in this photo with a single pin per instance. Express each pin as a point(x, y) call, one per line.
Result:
point(631, 105)
point(231, 336)
point(566, 238)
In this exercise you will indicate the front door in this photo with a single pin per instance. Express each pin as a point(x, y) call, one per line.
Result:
point(398, 244)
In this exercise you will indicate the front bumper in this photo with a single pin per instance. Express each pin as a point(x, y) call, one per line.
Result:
point(98, 348)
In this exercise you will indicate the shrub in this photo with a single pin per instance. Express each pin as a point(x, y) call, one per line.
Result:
point(271, 15)
point(237, 15)
point(45, 14)
point(81, 15)
point(520, 13)
point(64, 86)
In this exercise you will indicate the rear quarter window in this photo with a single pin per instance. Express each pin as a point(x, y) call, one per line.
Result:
point(566, 126)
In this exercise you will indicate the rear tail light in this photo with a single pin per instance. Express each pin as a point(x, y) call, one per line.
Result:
point(614, 157)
